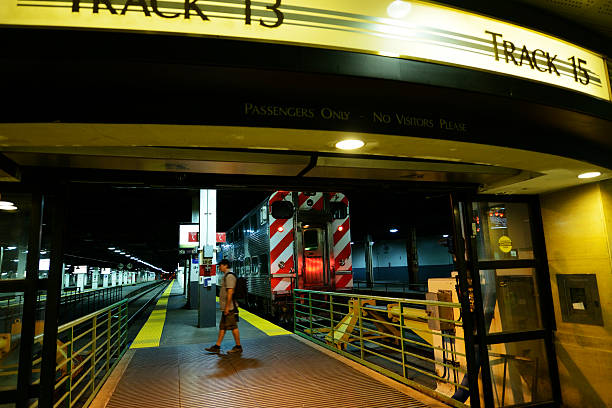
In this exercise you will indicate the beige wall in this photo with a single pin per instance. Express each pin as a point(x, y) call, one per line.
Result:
point(578, 232)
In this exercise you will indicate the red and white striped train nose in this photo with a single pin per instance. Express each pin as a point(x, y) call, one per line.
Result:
point(343, 261)
point(281, 247)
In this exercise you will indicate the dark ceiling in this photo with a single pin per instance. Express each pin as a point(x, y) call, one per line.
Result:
point(595, 15)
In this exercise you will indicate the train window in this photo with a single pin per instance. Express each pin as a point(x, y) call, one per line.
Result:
point(255, 265)
point(282, 210)
point(339, 210)
point(263, 215)
point(263, 269)
point(311, 240)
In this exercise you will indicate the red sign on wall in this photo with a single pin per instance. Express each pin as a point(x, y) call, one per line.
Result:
point(193, 237)
point(208, 270)
point(221, 237)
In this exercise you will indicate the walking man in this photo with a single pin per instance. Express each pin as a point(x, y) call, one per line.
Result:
point(229, 309)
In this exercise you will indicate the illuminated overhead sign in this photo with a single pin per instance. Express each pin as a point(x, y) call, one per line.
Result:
point(189, 235)
point(401, 29)
point(80, 269)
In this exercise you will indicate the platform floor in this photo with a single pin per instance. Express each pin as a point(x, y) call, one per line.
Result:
point(278, 370)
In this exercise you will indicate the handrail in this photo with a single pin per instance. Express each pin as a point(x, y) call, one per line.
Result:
point(417, 342)
point(404, 300)
point(88, 350)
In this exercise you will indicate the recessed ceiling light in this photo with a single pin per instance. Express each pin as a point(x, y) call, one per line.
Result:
point(399, 9)
point(350, 144)
point(590, 174)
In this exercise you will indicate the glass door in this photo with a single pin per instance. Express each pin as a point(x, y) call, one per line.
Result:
point(511, 297)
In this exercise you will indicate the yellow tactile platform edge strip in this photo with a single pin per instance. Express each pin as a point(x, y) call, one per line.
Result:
point(262, 324)
point(151, 332)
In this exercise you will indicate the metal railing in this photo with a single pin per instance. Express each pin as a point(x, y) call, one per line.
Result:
point(417, 342)
point(87, 351)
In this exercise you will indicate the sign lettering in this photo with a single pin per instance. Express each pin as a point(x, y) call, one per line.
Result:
point(426, 32)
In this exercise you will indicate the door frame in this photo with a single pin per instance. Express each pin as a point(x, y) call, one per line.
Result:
point(476, 337)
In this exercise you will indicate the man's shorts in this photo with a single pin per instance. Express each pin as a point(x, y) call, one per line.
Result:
point(229, 321)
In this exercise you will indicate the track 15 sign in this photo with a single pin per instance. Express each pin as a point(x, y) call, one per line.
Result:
point(393, 28)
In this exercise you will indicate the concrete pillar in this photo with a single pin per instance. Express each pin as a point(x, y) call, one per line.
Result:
point(369, 263)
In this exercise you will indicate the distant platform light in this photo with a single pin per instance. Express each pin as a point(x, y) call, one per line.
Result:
point(393, 230)
point(590, 174)
point(399, 9)
point(445, 236)
point(350, 144)
point(111, 248)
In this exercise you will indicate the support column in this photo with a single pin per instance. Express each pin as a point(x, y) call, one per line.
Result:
point(208, 241)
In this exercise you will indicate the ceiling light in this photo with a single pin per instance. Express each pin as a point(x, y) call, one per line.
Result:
point(399, 9)
point(350, 144)
point(590, 174)
point(445, 236)
point(6, 204)
point(8, 208)
point(111, 248)
point(10, 248)
point(393, 230)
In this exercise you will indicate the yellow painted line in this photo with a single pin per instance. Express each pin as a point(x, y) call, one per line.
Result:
point(262, 324)
point(151, 332)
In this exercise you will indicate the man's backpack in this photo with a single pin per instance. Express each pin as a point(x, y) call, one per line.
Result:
point(240, 291)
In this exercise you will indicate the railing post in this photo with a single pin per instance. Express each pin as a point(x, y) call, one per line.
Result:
point(310, 312)
point(402, 339)
point(108, 339)
point(70, 363)
point(294, 313)
point(93, 351)
point(331, 319)
point(360, 328)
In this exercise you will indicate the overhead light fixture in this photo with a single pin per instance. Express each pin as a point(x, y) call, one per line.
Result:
point(350, 144)
point(10, 248)
point(8, 208)
point(111, 248)
point(590, 174)
point(393, 230)
point(6, 204)
point(399, 9)
point(445, 236)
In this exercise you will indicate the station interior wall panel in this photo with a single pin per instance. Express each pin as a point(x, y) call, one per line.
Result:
point(578, 232)
point(389, 260)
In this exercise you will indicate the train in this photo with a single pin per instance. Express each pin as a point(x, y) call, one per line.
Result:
point(291, 240)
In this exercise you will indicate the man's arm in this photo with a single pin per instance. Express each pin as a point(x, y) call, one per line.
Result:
point(230, 294)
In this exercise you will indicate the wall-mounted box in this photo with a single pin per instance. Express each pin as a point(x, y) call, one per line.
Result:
point(579, 299)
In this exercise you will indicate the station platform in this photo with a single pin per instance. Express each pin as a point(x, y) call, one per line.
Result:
point(167, 366)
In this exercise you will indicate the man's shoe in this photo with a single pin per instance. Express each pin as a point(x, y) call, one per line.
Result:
point(213, 349)
point(236, 349)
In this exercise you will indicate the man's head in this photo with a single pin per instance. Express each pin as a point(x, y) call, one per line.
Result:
point(224, 265)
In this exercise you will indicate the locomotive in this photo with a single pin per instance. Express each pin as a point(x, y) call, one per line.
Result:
point(291, 240)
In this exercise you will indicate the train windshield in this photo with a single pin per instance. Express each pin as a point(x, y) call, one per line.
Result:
point(311, 240)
